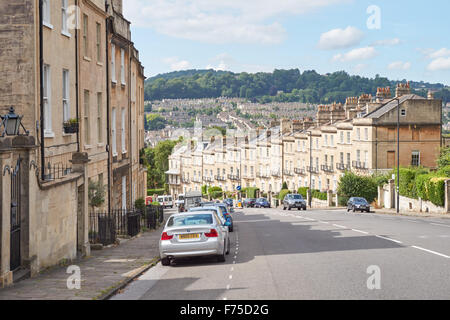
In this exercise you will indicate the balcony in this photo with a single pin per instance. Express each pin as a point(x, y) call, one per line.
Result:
point(288, 173)
point(360, 165)
point(276, 173)
point(300, 171)
point(343, 166)
point(249, 177)
point(197, 180)
point(263, 175)
point(220, 178)
point(208, 179)
point(312, 170)
point(233, 177)
point(326, 168)
point(185, 180)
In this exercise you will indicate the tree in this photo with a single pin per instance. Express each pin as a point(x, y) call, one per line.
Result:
point(154, 122)
point(96, 194)
point(352, 185)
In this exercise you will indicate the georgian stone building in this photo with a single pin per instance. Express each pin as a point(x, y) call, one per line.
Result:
point(360, 136)
point(65, 66)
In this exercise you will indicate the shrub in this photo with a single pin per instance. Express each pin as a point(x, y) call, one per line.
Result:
point(283, 194)
point(382, 179)
point(431, 187)
point(156, 203)
point(408, 181)
point(216, 194)
point(444, 171)
point(285, 186)
point(319, 195)
point(212, 190)
point(303, 191)
point(352, 185)
point(139, 204)
point(250, 192)
point(159, 192)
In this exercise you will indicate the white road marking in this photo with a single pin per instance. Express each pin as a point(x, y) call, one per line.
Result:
point(230, 277)
point(389, 239)
point(324, 222)
point(441, 225)
point(339, 226)
point(356, 230)
point(228, 287)
point(430, 251)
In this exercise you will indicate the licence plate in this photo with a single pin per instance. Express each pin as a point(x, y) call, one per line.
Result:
point(189, 236)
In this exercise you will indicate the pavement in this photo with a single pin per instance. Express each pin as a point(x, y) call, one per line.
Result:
point(317, 254)
point(102, 274)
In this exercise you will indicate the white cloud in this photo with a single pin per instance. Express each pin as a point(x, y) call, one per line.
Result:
point(387, 42)
point(211, 21)
point(360, 67)
point(340, 38)
point(176, 64)
point(356, 54)
point(441, 53)
point(439, 64)
point(399, 65)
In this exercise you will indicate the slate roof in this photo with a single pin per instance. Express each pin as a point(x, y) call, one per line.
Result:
point(392, 104)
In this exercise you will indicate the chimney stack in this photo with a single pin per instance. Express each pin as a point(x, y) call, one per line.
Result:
point(403, 89)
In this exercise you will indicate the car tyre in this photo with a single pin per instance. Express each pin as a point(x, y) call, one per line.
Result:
point(290, 209)
point(222, 257)
point(165, 262)
point(284, 208)
point(354, 209)
point(228, 247)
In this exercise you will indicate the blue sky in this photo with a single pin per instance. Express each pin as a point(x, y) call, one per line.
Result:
point(397, 39)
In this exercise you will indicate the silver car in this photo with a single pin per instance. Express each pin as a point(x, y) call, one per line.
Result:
point(194, 234)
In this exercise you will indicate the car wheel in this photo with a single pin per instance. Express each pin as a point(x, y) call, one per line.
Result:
point(229, 247)
point(368, 210)
point(304, 209)
point(165, 261)
point(222, 257)
point(289, 208)
point(284, 208)
point(299, 209)
point(354, 209)
point(230, 228)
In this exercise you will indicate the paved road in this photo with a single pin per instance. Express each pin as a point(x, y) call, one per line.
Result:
point(316, 254)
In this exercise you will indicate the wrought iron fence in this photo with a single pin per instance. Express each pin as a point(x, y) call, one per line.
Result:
point(56, 171)
point(105, 227)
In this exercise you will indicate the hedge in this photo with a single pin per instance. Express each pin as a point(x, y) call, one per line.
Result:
point(431, 187)
point(250, 192)
point(283, 194)
point(303, 191)
point(159, 192)
point(352, 185)
point(408, 181)
point(319, 195)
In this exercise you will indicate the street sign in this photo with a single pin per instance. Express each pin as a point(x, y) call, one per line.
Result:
point(239, 188)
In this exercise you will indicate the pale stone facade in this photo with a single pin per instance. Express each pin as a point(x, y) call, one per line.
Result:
point(359, 136)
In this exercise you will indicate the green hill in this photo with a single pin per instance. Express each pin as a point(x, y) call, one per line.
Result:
point(280, 86)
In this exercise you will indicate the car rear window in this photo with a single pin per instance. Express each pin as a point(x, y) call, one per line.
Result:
point(190, 220)
point(297, 197)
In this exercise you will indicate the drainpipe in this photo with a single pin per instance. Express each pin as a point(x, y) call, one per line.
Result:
point(108, 120)
point(77, 77)
point(130, 141)
point(41, 87)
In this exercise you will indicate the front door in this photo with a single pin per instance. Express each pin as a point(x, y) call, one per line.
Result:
point(391, 159)
point(15, 257)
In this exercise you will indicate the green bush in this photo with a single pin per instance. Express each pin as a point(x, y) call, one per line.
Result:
point(250, 192)
point(382, 179)
point(283, 194)
point(212, 190)
point(444, 171)
point(303, 191)
point(319, 195)
point(284, 186)
point(431, 187)
point(408, 181)
point(216, 194)
point(159, 192)
point(155, 203)
point(352, 185)
point(139, 203)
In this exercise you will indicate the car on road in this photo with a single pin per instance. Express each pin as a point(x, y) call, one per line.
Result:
point(194, 234)
point(262, 203)
point(249, 202)
point(221, 209)
point(294, 201)
point(165, 201)
point(229, 202)
point(358, 204)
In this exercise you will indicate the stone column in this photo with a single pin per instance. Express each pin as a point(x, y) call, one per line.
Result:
point(329, 198)
point(336, 199)
point(392, 194)
point(6, 276)
point(308, 198)
point(380, 196)
point(80, 164)
point(447, 196)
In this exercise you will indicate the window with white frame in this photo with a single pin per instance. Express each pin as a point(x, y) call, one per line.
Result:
point(65, 95)
point(122, 66)
point(64, 27)
point(46, 13)
point(99, 118)
point(124, 147)
point(358, 134)
point(85, 35)
point(87, 133)
point(415, 161)
point(114, 132)
point(113, 63)
point(348, 138)
point(366, 158)
point(99, 42)
point(342, 137)
point(47, 101)
point(326, 140)
point(366, 134)
point(124, 192)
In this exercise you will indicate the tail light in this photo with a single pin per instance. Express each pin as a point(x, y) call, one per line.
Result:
point(165, 236)
point(212, 234)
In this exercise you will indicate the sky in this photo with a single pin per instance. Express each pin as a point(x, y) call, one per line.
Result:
point(397, 39)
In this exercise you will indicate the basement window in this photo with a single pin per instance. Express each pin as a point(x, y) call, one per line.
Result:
point(403, 112)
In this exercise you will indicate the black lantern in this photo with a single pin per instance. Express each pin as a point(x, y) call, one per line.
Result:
point(11, 124)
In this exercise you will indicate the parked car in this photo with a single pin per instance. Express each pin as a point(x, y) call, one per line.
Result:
point(262, 203)
point(221, 210)
point(165, 201)
point(229, 202)
point(249, 202)
point(294, 201)
point(358, 204)
point(193, 234)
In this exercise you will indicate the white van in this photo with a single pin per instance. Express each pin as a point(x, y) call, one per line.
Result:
point(165, 201)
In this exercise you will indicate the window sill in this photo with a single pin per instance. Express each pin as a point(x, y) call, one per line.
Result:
point(48, 25)
point(87, 147)
point(87, 59)
point(49, 134)
point(100, 145)
point(66, 34)
point(100, 64)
